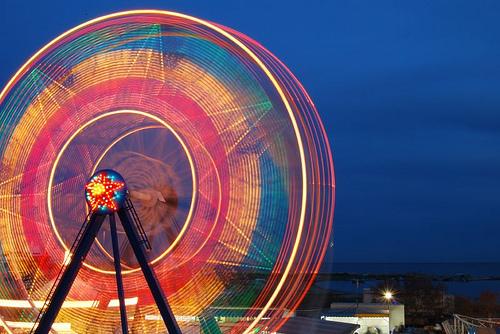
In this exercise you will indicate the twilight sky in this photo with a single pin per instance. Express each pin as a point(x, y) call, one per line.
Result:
point(409, 92)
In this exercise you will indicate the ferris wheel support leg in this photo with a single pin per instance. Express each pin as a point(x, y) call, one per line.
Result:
point(69, 274)
point(149, 275)
point(118, 272)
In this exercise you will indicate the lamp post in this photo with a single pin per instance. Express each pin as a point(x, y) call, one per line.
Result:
point(388, 297)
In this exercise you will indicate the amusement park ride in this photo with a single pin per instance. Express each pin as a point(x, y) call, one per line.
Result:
point(106, 194)
point(189, 112)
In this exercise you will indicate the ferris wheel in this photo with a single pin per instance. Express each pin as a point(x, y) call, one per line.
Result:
point(225, 160)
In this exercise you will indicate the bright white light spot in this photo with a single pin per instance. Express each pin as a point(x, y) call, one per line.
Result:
point(388, 295)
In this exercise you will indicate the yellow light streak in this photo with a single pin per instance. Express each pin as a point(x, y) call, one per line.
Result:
point(57, 326)
point(128, 302)
point(4, 325)
point(19, 303)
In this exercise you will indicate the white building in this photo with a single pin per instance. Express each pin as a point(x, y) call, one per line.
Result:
point(376, 318)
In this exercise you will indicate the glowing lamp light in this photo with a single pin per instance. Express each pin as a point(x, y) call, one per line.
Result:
point(388, 295)
point(105, 192)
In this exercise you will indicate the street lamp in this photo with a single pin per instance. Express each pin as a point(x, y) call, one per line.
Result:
point(388, 296)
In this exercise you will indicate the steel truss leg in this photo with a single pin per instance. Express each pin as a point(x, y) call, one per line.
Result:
point(69, 275)
point(118, 272)
point(149, 275)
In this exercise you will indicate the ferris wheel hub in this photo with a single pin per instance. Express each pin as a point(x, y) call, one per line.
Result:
point(105, 192)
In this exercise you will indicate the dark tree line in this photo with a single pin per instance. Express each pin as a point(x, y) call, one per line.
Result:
point(427, 302)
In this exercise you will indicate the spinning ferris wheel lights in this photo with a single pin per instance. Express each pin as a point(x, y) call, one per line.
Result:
point(224, 156)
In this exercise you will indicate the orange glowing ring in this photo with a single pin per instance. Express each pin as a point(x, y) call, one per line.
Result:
point(259, 166)
point(61, 152)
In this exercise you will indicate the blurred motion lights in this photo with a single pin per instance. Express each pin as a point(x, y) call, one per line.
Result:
point(225, 157)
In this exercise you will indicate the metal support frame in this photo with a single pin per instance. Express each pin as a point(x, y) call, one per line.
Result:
point(86, 238)
point(118, 272)
point(149, 275)
point(69, 274)
point(461, 324)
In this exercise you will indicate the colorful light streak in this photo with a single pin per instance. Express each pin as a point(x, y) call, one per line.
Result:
point(259, 157)
point(10, 303)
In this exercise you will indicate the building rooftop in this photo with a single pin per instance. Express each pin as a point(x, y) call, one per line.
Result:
point(359, 309)
point(301, 325)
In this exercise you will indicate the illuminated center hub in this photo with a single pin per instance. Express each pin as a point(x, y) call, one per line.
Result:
point(105, 191)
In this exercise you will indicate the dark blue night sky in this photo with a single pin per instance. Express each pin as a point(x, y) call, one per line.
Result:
point(409, 92)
